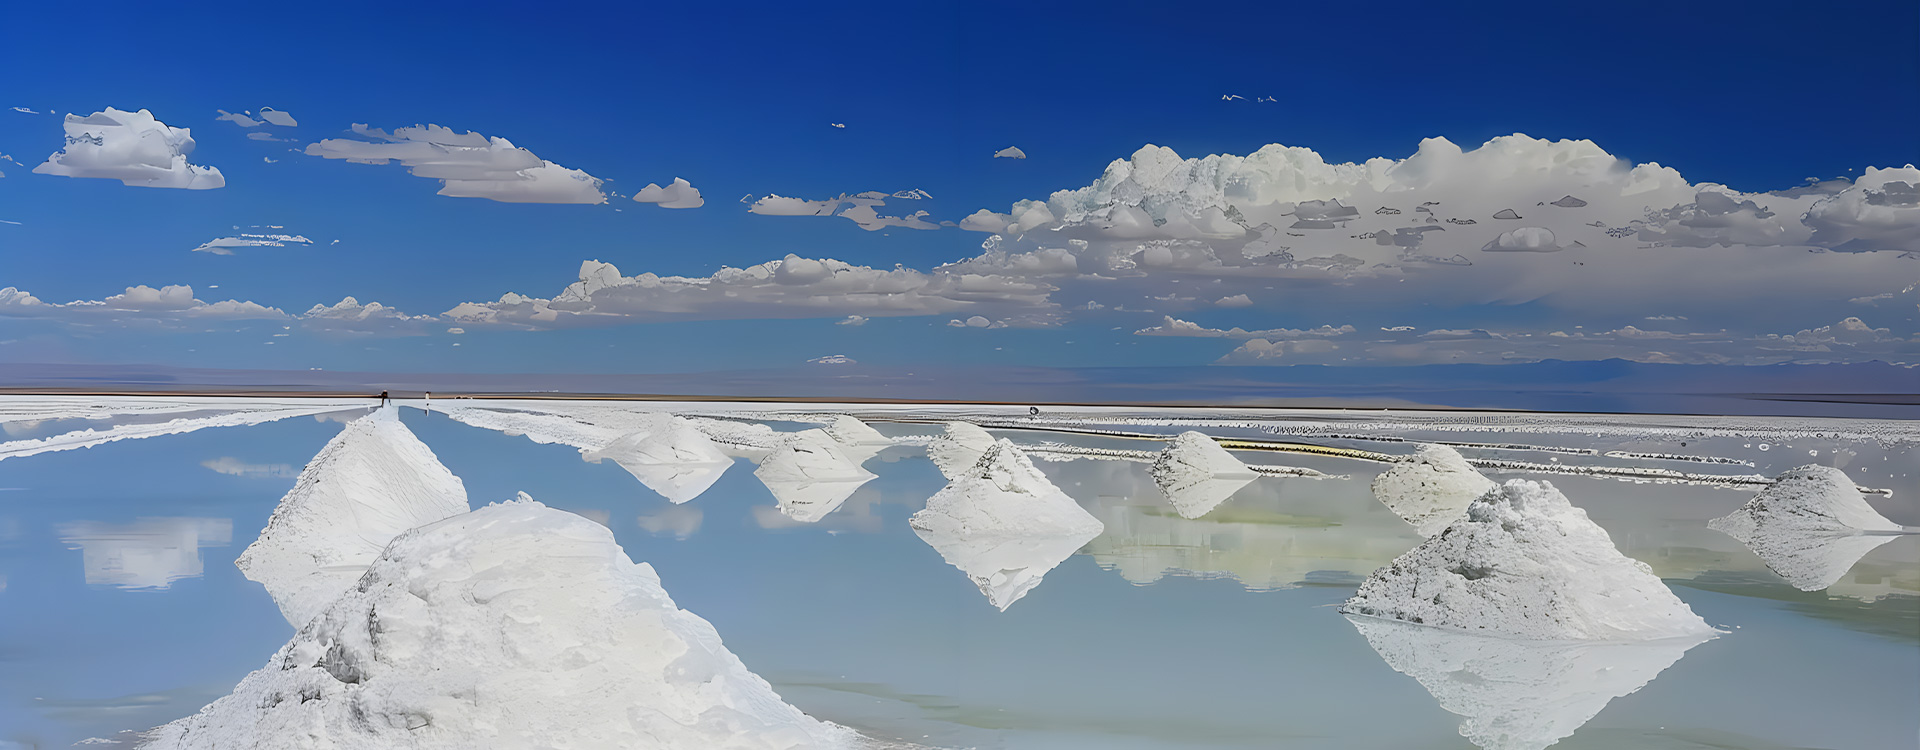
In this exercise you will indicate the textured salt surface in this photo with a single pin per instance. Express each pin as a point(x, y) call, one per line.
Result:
point(1196, 474)
point(1519, 695)
point(810, 475)
point(1524, 562)
point(1810, 526)
point(1430, 488)
point(1004, 525)
point(370, 483)
point(513, 626)
point(671, 457)
point(959, 449)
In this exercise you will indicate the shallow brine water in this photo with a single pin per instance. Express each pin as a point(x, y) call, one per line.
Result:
point(121, 608)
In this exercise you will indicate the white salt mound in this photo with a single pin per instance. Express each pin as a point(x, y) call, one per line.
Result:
point(370, 483)
point(513, 626)
point(1810, 526)
point(1519, 695)
point(1430, 488)
point(1196, 474)
point(956, 452)
point(670, 456)
point(1004, 525)
point(810, 475)
point(858, 440)
point(1525, 563)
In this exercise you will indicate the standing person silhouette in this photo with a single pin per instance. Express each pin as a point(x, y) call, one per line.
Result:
point(383, 398)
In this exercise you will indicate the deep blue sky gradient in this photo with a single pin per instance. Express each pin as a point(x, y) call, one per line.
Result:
point(737, 97)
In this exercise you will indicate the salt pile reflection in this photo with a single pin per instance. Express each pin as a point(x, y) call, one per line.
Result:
point(811, 475)
point(1516, 694)
point(670, 456)
point(1810, 526)
point(1004, 525)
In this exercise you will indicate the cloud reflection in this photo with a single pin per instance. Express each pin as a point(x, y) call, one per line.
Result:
point(150, 553)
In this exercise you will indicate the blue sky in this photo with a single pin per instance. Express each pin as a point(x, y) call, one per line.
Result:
point(741, 101)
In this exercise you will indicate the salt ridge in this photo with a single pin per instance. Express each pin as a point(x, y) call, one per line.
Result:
point(371, 482)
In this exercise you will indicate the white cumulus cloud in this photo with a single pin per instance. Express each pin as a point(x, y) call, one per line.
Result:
point(679, 194)
point(468, 165)
point(793, 287)
point(350, 315)
point(1172, 326)
point(1591, 235)
point(131, 147)
point(252, 237)
point(267, 115)
point(1850, 340)
point(860, 208)
point(171, 304)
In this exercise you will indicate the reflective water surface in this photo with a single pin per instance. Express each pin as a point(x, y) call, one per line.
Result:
point(121, 608)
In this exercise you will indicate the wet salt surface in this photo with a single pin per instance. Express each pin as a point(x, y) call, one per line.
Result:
point(122, 610)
